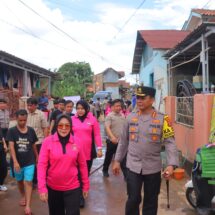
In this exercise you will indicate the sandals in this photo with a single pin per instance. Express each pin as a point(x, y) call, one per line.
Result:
point(28, 211)
point(22, 202)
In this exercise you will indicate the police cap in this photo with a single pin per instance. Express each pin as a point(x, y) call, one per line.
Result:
point(145, 91)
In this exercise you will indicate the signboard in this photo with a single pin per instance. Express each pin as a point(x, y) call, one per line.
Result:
point(75, 99)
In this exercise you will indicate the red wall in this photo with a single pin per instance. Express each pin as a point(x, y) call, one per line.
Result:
point(189, 139)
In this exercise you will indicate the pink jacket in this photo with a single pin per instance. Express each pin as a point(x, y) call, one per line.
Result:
point(83, 131)
point(62, 173)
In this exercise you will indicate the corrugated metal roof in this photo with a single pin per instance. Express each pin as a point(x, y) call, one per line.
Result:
point(15, 61)
point(163, 39)
point(204, 12)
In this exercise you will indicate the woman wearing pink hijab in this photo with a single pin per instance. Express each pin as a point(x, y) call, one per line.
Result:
point(86, 128)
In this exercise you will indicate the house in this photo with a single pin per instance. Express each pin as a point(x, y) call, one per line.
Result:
point(197, 17)
point(188, 74)
point(148, 60)
point(108, 81)
point(191, 83)
point(20, 78)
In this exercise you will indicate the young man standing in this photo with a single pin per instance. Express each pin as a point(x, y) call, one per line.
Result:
point(142, 137)
point(43, 101)
point(24, 156)
point(60, 110)
point(38, 122)
point(113, 125)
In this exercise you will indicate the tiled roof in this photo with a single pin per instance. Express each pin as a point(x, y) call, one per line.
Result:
point(163, 39)
point(204, 12)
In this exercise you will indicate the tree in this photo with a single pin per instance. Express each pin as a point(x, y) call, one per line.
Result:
point(75, 76)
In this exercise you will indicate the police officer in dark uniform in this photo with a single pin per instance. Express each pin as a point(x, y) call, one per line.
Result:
point(143, 134)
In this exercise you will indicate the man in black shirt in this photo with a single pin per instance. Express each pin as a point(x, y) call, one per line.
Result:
point(24, 156)
point(60, 110)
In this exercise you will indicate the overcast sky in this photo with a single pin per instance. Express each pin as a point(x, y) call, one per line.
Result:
point(94, 29)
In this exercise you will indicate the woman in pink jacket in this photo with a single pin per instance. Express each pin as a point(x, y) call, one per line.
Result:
point(86, 129)
point(61, 159)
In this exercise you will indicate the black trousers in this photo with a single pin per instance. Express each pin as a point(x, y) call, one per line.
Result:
point(64, 202)
point(123, 167)
point(3, 165)
point(110, 152)
point(98, 113)
point(4, 132)
point(89, 165)
point(35, 170)
point(135, 183)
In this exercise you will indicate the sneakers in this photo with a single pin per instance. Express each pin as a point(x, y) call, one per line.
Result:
point(105, 173)
point(3, 188)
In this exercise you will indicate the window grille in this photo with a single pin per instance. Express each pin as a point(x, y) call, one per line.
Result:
point(184, 110)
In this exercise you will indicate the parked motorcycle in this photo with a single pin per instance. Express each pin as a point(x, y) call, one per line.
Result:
point(190, 194)
point(200, 190)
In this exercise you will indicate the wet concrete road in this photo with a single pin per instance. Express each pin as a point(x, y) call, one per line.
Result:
point(107, 197)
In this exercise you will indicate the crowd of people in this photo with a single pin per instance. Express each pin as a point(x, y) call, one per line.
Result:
point(55, 154)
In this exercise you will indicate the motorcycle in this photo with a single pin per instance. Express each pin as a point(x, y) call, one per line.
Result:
point(190, 194)
point(199, 192)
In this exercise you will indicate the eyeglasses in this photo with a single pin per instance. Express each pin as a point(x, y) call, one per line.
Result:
point(65, 126)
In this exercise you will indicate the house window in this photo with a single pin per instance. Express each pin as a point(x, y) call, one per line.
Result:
point(151, 80)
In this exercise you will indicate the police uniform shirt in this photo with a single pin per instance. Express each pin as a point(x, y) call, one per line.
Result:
point(141, 139)
point(116, 122)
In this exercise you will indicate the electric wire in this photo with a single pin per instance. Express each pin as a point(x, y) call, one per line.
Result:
point(206, 4)
point(34, 35)
point(64, 32)
point(128, 20)
point(188, 61)
point(31, 33)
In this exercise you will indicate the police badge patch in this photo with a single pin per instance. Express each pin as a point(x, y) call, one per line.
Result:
point(168, 130)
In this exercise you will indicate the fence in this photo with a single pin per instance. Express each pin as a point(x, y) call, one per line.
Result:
point(184, 111)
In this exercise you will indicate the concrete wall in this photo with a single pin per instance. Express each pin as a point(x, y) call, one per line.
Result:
point(114, 88)
point(189, 139)
point(158, 65)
